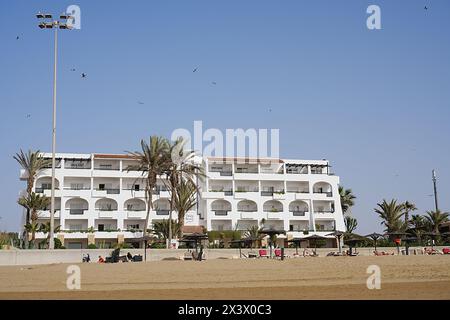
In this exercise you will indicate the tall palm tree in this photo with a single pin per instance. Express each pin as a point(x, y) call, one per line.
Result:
point(32, 162)
point(181, 166)
point(161, 228)
point(347, 199)
point(152, 162)
point(435, 218)
point(391, 214)
point(350, 224)
point(185, 199)
point(408, 206)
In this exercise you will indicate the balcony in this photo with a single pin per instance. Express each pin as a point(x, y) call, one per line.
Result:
point(274, 215)
point(77, 211)
point(299, 213)
point(223, 173)
point(102, 192)
point(135, 214)
point(249, 214)
point(162, 212)
point(327, 193)
point(221, 212)
point(46, 214)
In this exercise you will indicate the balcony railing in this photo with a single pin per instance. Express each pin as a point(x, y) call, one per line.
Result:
point(297, 191)
point(220, 212)
point(328, 193)
point(106, 168)
point(247, 210)
point(106, 209)
point(77, 188)
point(271, 192)
point(162, 212)
point(109, 191)
point(245, 170)
point(41, 190)
point(299, 213)
point(77, 211)
point(324, 211)
point(273, 210)
point(246, 190)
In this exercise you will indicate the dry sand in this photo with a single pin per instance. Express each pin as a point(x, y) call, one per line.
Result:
point(402, 277)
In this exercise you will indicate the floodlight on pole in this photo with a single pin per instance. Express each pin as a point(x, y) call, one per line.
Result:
point(53, 24)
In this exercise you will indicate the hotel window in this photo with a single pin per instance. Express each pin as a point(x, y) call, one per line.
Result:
point(136, 187)
point(101, 186)
point(133, 227)
point(76, 186)
point(46, 186)
point(75, 227)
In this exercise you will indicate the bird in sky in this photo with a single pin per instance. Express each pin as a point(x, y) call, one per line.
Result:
point(17, 38)
point(195, 70)
point(73, 69)
point(426, 8)
point(83, 75)
point(270, 109)
point(214, 83)
point(140, 102)
point(28, 115)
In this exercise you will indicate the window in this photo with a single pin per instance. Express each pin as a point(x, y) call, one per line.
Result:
point(136, 187)
point(133, 227)
point(291, 227)
point(101, 227)
point(46, 186)
point(76, 186)
point(75, 227)
point(101, 186)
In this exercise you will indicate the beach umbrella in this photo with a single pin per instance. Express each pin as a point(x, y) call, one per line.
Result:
point(398, 235)
point(297, 242)
point(314, 238)
point(195, 238)
point(408, 240)
point(338, 234)
point(374, 236)
point(353, 240)
point(432, 235)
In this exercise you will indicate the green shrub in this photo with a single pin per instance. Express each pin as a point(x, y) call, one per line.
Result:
point(92, 246)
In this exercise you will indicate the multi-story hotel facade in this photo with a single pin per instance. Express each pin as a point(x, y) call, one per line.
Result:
point(99, 201)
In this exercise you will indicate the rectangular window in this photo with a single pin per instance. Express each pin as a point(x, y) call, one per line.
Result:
point(136, 187)
point(101, 227)
point(101, 186)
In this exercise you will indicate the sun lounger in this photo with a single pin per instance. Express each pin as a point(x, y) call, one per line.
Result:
point(263, 253)
point(446, 251)
point(187, 256)
point(252, 254)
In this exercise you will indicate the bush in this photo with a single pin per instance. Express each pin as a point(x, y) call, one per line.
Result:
point(92, 246)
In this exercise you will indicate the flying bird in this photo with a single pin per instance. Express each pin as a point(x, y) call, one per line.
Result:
point(83, 75)
point(426, 8)
point(17, 38)
point(28, 115)
point(140, 102)
point(214, 83)
point(270, 109)
point(195, 70)
point(73, 69)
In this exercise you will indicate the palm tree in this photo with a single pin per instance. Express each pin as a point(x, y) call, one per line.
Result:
point(32, 163)
point(185, 199)
point(435, 218)
point(161, 228)
point(391, 213)
point(34, 203)
point(347, 199)
point(181, 167)
point(253, 233)
point(350, 224)
point(32, 228)
point(419, 225)
point(152, 162)
point(408, 206)
point(45, 229)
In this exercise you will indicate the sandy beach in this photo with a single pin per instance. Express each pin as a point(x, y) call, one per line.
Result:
point(402, 277)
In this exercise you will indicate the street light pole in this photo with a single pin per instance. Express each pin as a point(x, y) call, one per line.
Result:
point(435, 190)
point(53, 24)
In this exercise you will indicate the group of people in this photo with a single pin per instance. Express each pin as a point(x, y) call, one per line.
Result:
point(87, 258)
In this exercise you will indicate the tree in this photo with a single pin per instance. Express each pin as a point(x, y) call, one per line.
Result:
point(32, 228)
point(45, 229)
point(391, 214)
point(252, 232)
point(32, 162)
point(152, 162)
point(161, 228)
point(350, 224)
point(435, 218)
point(181, 167)
point(185, 199)
point(347, 199)
point(34, 202)
point(408, 206)
point(419, 226)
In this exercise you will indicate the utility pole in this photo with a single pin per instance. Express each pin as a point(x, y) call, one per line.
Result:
point(433, 174)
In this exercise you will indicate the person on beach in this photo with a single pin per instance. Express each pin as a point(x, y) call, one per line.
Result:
point(100, 259)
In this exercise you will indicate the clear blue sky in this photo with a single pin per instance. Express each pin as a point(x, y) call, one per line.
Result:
point(375, 103)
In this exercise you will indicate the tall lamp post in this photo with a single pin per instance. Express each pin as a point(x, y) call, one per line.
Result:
point(46, 21)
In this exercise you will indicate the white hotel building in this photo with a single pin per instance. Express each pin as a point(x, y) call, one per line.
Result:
point(98, 201)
